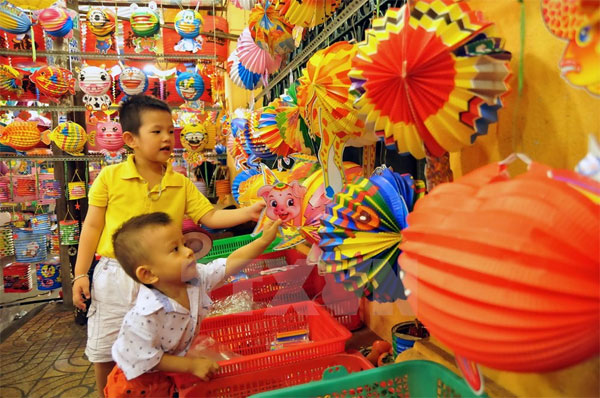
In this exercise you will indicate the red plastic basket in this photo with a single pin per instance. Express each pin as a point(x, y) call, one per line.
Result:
point(243, 385)
point(251, 333)
point(292, 256)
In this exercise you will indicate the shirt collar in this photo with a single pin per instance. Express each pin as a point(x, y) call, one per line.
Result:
point(151, 300)
point(130, 171)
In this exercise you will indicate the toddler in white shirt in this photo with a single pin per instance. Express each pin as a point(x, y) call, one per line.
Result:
point(173, 299)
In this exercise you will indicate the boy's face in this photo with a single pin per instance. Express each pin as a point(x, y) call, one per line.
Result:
point(171, 261)
point(156, 137)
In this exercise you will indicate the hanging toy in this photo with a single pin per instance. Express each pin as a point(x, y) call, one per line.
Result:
point(109, 137)
point(196, 138)
point(145, 24)
point(187, 25)
point(133, 81)
point(11, 83)
point(53, 82)
point(95, 83)
point(14, 20)
point(70, 137)
point(102, 23)
point(21, 136)
point(189, 85)
point(56, 21)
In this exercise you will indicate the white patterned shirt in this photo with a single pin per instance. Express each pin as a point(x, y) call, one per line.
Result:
point(158, 324)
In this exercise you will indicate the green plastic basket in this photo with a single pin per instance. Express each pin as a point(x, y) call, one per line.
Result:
point(405, 379)
point(224, 247)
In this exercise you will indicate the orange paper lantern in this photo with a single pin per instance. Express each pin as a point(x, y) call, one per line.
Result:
point(505, 271)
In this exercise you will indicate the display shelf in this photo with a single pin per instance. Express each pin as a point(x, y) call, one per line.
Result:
point(90, 55)
point(53, 158)
point(66, 108)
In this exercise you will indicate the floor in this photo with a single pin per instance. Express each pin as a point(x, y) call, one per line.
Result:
point(44, 357)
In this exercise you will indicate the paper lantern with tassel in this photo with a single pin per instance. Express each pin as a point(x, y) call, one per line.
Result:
point(505, 271)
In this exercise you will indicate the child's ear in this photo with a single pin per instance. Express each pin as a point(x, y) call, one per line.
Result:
point(129, 139)
point(145, 275)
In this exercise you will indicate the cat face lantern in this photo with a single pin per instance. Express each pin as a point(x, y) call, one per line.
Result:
point(95, 83)
point(194, 137)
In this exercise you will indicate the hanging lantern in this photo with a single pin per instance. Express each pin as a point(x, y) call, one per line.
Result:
point(505, 271)
point(53, 82)
point(95, 83)
point(109, 137)
point(70, 137)
point(187, 25)
point(13, 19)
point(7, 245)
point(145, 21)
point(30, 247)
point(69, 232)
point(11, 83)
point(133, 81)
point(22, 136)
point(50, 189)
point(102, 23)
point(48, 276)
point(190, 86)
point(56, 21)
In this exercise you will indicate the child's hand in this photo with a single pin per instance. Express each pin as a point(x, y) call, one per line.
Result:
point(81, 292)
point(203, 368)
point(270, 231)
point(255, 210)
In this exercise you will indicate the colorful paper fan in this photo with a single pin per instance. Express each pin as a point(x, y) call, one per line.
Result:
point(254, 58)
point(239, 179)
point(269, 30)
point(326, 105)
point(431, 78)
point(361, 234)
point(307, 13)
point(254, 140)
point(505, 271)
point(13, 19)
point(268, 131)
point(241, 76)
point(244, 4)
point(56, 21)
point(292, 126)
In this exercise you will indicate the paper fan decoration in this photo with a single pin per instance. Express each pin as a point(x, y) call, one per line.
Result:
point(53, 82)
point(268, 131)
point(269, 30)
point(244, 4)
point(361, 234)
point(56, 21)
point(241, 76)
point(257, 147)
point(307, 13)
point(254, 58)
point(11, 83)
point(292, 127)
point(326, 105)
point(505, 271)
point(13, 19)
point(431, 78)
point(240, 179)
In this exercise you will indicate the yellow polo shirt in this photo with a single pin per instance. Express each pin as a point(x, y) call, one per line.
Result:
point(124, 193)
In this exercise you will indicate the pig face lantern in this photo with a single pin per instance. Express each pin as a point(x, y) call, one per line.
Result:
point(284, 201)
point(109, 135)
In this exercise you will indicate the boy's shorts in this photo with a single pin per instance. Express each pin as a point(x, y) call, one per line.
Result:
point(148, 385)
point(113, 294)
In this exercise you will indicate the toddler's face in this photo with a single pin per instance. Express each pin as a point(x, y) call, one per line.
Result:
point(172, 261)
point(156, 138)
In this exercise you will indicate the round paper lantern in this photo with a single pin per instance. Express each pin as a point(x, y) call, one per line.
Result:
point(144, 21)
point(70, 137)
point(101, 21)
point(11, 82)
point(94, 81)
point(13, 20)
point(194, 137)
point(187, 25)
point(190, 86)
point(53, 81)
point(56, 21)
point(109, 136)
point(505, 271)
point(133, 81)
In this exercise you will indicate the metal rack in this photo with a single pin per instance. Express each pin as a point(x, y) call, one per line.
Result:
point(90, 55)
point(68, 108)
point(53, 158)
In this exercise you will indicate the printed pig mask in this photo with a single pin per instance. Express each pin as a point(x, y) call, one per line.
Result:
point(284, 201)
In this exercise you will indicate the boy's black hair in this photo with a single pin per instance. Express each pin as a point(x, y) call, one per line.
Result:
point(132, 108)
point(130, 249)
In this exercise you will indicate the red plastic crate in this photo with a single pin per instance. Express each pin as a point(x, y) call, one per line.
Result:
point(243, 385)
point(292, 256)
point(251, 333)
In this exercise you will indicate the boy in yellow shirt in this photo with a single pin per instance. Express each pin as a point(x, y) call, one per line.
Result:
point(145, 183)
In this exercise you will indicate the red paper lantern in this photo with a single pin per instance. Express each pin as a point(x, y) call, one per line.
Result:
point(505, 271)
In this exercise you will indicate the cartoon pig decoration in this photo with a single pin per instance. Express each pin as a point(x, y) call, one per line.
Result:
point(109, 136)
point(284, 201)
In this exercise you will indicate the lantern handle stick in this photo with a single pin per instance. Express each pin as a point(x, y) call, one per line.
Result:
point(514, 156)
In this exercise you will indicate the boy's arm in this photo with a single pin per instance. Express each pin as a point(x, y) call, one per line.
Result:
point(88, 243)
point(218, 219)
point(242, 256)
point(199, 367)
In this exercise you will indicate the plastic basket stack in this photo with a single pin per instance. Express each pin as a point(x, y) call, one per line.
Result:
point(7, 245)
point(30, 247)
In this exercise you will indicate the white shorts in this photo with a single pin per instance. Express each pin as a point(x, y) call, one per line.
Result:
point(113, 294)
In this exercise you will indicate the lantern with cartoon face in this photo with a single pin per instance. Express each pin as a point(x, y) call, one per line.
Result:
point(109, 137)
point(102, 23)
point(187, 25)
point(194, 137)
point(95, 83)
point(145, 21)
point(133, 81)
point(190, 86)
